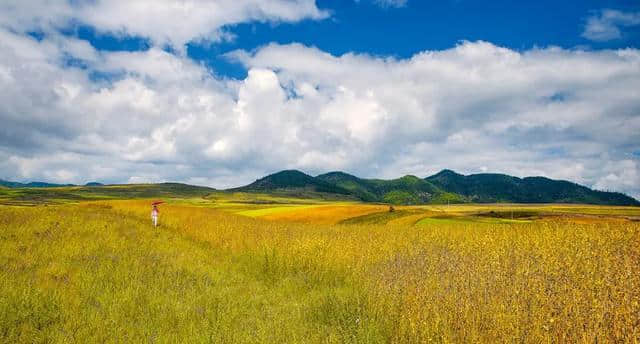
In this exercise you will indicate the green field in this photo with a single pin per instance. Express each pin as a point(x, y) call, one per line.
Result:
point(258, 268)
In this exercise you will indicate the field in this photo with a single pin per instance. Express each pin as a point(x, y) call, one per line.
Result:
point(243, 268)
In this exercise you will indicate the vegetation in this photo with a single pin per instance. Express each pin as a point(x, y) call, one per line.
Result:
point(36, 195)
point(446, 187)
point(443, 188)
point(232, 268)
point(489, 188)
point(405, 190)
point(293, 183)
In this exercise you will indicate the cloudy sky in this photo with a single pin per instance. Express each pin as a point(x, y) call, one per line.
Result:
point(222, 92)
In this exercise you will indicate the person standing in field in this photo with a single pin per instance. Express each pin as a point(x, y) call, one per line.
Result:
point(154, 214)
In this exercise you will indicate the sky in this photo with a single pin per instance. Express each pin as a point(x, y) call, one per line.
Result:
point(222, 92)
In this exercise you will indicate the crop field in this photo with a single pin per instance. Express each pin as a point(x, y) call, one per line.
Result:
point(258, 269)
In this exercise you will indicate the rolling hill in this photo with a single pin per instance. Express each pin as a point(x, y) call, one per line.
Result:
point(444, 187)
point(490, 187)
point(61, 194)
point(294, 183)
point(405, 190)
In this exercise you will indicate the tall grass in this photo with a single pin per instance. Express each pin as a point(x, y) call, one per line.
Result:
point(100, 272)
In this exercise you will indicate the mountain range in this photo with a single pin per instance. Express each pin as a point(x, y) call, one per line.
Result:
point(444, 187)
point(40, 184)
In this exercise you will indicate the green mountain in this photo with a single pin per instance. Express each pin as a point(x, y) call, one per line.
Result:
point(294, 183)
point(405, 190)
point(444, 187)
point(490, 187)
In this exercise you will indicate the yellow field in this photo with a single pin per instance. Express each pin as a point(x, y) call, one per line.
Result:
point(326, 214)
point(322, 272)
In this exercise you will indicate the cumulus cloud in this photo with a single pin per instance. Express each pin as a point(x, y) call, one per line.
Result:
point(606, 25)
point(476, 107)
point(622, 174)
point(172, 22)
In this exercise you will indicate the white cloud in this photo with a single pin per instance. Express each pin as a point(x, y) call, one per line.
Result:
point(605, 25)
point(620, 175)
point(172, 22)
point(476, 107)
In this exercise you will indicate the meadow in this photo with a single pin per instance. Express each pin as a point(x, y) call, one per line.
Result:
point(260, 269)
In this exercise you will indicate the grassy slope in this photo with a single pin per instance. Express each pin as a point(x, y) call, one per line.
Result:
point(326, 214)
point(32, 196)
point(405, 190)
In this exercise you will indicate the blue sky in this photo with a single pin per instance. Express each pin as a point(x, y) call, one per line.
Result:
point(222, 92)
point(367, 27)
point(436, 25)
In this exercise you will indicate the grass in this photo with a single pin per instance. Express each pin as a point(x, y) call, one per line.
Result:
point(383, 216)
point(88, 274)
point(71, 194)
point(463, 219)
point(275, 210)
point(325, 214)
point(98, 272)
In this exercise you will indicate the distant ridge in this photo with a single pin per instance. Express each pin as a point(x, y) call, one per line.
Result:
point(93, 184)
point(443, 187)
point(446, 186)
point(31, 184)
point(493, 187)
point(41, 184)
point(40, 195)
point(404, 190)
point(292, 182)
